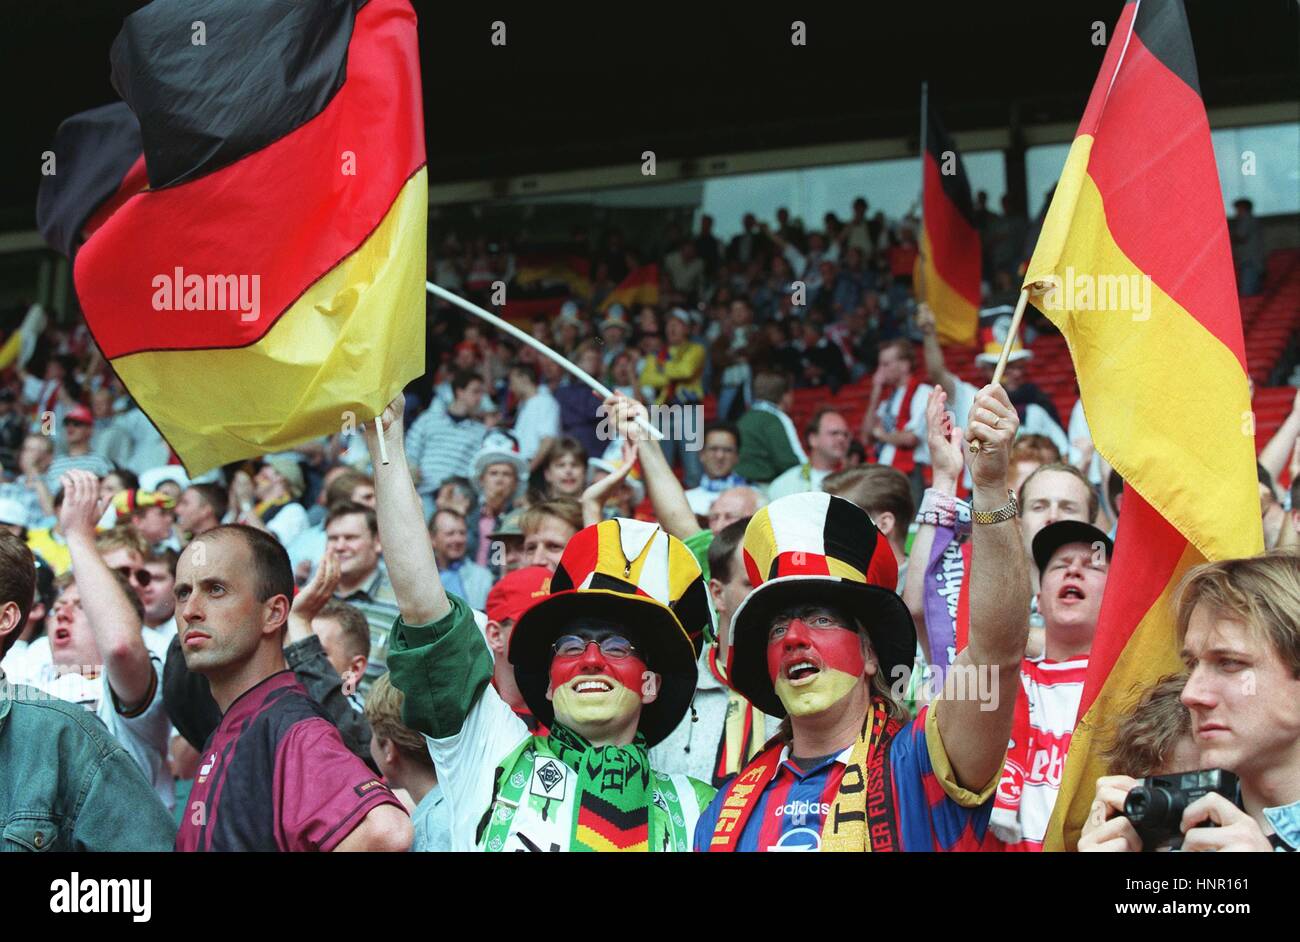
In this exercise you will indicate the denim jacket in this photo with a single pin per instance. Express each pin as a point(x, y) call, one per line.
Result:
point(65, 783)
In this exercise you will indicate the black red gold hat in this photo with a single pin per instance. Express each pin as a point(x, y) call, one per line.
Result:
point(126, 502)
point(815, 548)
point(646, 582)
point(995, 324)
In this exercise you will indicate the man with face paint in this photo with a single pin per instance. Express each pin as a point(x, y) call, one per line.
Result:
point(825, 640)
point(723, 731)
point(605, 662)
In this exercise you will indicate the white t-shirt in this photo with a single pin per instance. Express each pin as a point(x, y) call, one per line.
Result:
point(1079, 429)
point(538, 418)
point(145, 736)
point(286, 525)
point(888, 413)
point(798, 479)
point(157, 639)
point(467, 764)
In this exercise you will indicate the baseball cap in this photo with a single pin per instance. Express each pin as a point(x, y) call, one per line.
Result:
point(79, 413)
point(509, 525)
point(517, 592)
point(291, 471)
point(1062, 533)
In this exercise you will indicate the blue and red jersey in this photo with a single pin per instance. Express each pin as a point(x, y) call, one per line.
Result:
point(276, 776)
point(794, 805)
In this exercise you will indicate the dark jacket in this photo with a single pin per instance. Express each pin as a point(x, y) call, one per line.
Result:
point(196, 715)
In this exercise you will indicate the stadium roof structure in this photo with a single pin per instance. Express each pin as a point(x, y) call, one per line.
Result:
point(572, 90)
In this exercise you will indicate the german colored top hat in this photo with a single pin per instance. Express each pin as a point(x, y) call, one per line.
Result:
point(646, 582)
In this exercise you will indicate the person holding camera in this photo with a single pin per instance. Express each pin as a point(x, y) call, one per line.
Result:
point(1238, 624)
point(1154, 739)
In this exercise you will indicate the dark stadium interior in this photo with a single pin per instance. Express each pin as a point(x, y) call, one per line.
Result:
point(596, 87)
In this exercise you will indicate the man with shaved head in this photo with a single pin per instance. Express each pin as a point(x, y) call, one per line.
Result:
point(275, 774)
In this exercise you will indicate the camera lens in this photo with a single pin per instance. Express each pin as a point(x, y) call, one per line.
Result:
point(1137, 803)
point(1153, 808)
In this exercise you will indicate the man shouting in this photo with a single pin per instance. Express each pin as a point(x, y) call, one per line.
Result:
point(824, 640)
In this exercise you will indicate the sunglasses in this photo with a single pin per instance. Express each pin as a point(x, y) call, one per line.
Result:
point(141, 577)
point(615, 646)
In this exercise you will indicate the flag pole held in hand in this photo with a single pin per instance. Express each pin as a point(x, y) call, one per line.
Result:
point(383, 449)
point(599, 387)
point(1012, 334)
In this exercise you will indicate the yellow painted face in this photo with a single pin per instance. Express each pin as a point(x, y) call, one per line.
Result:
point(817, 693)
point(814, 662)
point(580, 710)
point(594, 693)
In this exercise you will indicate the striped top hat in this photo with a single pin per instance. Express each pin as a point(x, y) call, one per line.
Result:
point(125, 502)
point(995, 324)
point(646, 582)
point(811, 548)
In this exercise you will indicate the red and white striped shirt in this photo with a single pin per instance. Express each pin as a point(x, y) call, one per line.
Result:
point(1053, 690)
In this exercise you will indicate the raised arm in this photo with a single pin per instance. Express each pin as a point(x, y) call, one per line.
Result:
point(594, 497)
point(408, 552)
point(934, 362)
point(975, 728)
point(944, 437)
point(314, 596)
point(1275, 455)
point(871, 426)
point(109, 611)
point(666, 495)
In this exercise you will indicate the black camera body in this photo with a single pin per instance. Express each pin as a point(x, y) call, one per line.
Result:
point(1155, 805)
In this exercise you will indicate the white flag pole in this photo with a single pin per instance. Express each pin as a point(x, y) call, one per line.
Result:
point(536, 344)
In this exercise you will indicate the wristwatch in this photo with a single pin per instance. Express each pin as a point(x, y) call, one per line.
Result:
point(1007, 511)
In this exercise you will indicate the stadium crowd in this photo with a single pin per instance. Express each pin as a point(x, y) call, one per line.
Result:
point(535, 627)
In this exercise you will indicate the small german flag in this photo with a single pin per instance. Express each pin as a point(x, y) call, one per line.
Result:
point(1137, 265)
point(950, 243)
point(641, 286)
point(269, 285)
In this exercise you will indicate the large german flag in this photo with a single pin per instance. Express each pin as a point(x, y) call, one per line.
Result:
point(950, 243)
point(97, 164)
point(1135, 247)
point(269, 285)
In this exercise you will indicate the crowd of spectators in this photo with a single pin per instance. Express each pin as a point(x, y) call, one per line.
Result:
point(509, 457)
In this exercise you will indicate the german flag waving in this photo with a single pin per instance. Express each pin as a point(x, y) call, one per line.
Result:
point(950, 243)
point(98, 164)
point(1135, 256)
point(268, 286)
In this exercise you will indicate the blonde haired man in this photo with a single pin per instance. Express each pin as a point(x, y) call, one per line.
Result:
point(403, 760)
point(1238, 624)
